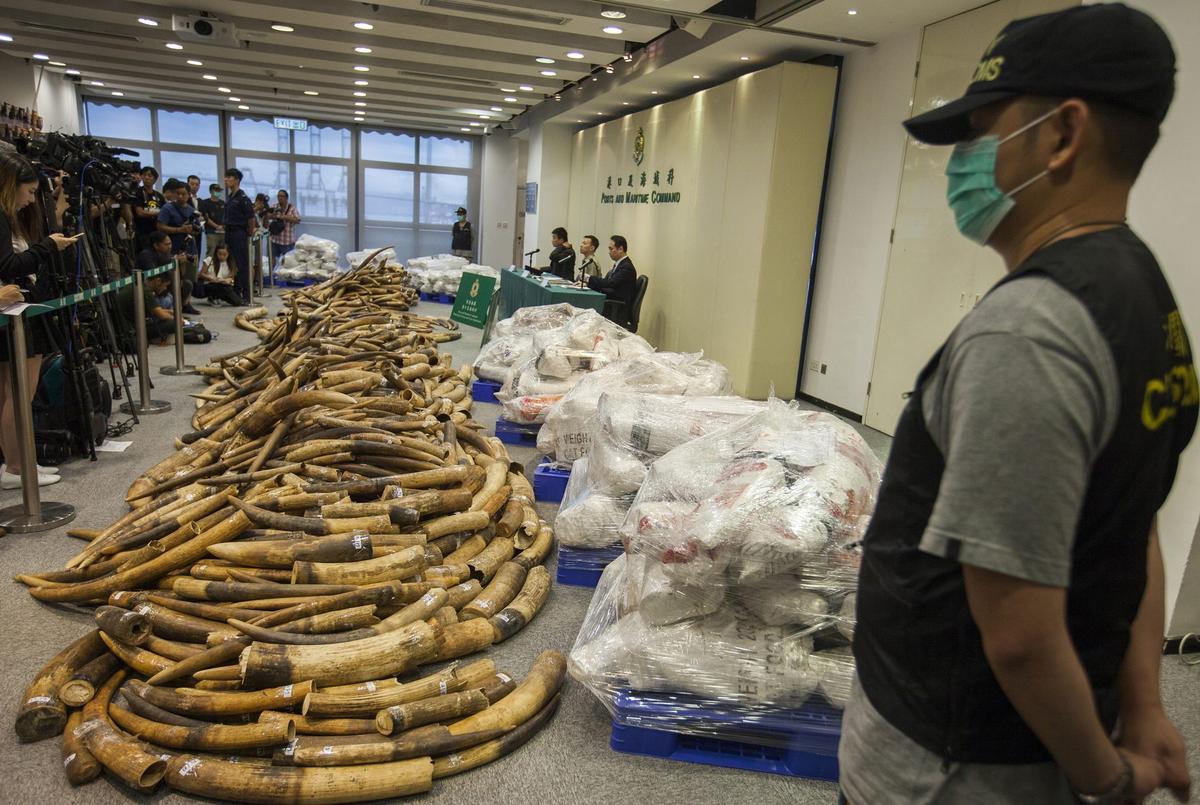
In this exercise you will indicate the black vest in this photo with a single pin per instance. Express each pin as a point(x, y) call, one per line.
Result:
point(919, 654)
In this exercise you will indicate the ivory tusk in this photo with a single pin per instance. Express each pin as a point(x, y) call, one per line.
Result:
point(522, 609)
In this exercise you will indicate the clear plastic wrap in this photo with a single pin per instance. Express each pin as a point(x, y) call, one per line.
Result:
point(312, 258)
point(565, 435)
point(737, 585)
point(560, 358)
point(512, 343)
point(586, 518)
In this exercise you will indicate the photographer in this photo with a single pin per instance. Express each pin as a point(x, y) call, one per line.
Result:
point(160, 322)
point(179, 220)
point(24, 255)
point(146, 205)
point(281, 223)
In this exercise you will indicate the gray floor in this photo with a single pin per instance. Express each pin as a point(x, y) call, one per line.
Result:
point(568, 762)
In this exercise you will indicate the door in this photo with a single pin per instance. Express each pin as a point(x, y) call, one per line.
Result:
point(934, 274)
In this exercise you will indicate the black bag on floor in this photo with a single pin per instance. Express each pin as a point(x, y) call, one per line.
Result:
point(196, 333)
point(57, 407)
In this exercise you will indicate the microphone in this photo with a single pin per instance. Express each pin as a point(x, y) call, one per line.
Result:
point(532, 253)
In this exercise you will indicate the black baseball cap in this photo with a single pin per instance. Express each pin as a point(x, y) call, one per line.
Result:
point(1109, 53)
point(461, 211)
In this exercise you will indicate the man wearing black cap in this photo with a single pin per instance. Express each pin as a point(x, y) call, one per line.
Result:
point(1010, 605)
point(462, 237)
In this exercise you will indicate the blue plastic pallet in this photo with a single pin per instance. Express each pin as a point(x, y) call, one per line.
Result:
point(516, 433)
point(796, 743)
point(484, 391)
point(443, 298)
point(582, 567)
point(550, 482)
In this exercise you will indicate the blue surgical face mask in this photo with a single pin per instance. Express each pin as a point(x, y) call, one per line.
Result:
point(978, 203)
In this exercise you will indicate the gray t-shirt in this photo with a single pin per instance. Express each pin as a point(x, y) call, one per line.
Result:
point(1021, 403)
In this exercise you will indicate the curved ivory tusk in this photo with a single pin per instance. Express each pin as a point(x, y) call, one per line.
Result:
point(312, 786)
point(349, 547)
point(522, 609)
point(536, 553)
point(187, 701)
point(323, 703)
point(119, 755)
point(400, 565)
point(403, 717)
point(80, 765)
point(42, 714)
point(485, 564)
point(320, 726)
point(535, 691)
point(81, 687)
point(495, 749)
point(213, 737)
point(501, 590)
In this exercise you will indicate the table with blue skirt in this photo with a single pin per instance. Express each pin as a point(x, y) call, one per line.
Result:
point(519, 288)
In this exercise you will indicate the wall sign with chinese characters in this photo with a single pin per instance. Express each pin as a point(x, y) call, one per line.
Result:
point(644, 187)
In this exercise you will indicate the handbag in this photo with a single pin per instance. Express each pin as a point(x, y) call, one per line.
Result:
point(276, 226)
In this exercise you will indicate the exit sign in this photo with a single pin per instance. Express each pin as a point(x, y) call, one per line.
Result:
point(291, 123)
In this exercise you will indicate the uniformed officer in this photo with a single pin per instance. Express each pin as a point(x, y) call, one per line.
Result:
point(240, 224)
point(1010, 603)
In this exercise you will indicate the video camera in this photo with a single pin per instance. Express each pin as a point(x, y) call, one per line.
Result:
point(85, 163)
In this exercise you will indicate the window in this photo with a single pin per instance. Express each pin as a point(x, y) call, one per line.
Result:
point(182, 164)
point(388, 195)
point(322, 141)
point(259, 135)
point(382, 146)
point(264, 176)
point(118, 122)
point(446, 152)
point(189, 128)
point(441, 195)
point(323, 191)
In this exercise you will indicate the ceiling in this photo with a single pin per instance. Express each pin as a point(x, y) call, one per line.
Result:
point(434, 64)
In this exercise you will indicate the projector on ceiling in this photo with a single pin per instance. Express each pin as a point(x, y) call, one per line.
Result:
point(204, 29)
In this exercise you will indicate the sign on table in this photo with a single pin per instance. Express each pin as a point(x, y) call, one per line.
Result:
point(473, 299)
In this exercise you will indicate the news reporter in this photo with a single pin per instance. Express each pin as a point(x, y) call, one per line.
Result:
point(24, 254)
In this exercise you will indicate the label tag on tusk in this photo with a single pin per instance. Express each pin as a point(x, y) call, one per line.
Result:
point(429, 598)
point(86, 727)
point(144, 609)
point(286, 693)
point(328, 750)
point(188, 769)
point(505, 678)
point(454, 760)
point(358, 542)
point(290, 749)
point(370, 687)
point(442, 687)
point(38, 700)
point(67, 760)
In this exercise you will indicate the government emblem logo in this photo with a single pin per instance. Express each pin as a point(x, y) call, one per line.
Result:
point(639, 147)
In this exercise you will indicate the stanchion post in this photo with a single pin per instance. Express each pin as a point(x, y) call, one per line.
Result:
point(180, 368)
point(255, 267)
point(33, 514)
point(147, 405)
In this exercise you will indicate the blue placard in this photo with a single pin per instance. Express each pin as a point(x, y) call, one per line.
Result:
point(531, 198)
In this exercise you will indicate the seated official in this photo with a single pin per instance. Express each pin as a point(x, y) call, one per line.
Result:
point(588, 267)
point(160, 322)
point(620, 283)
point(159, 254)
point(562, 259)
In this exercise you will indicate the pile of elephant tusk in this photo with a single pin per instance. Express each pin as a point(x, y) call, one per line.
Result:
point(334, 522)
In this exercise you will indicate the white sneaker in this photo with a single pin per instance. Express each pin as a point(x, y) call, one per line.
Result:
point(47, 470)
point(10, 481)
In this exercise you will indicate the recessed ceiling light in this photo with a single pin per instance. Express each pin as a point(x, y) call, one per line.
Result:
point(613, 13)
point(148, 21)
point(745, 58)
point(599, 113)
point(510, 99)
point(473, 123)
point(360, 94)
point(362, 49)
point(613, 30)
point(496, 109)
point(283, 29)
point(72, 72)
point(97, 83)
point(224, 89)
point(362, 68)
point(507, 89)
point(360, 103)
point(209, 77)
point(526, 88)
point(311, 92)
point(244, 107)
point(195, 62)
point(852, 12)
point(235, 100)
point(574, 54)
point(119, 94)
point(57, 64)
point(41, 56)
point(653, 92)
point(5, 38)
point(362, 82)
point(174, 46)
point(464, 128)
point(485, 117)
point(695, 76)
point(544, 60)
point(364, 26)
point(549, 73)
point(624, 103)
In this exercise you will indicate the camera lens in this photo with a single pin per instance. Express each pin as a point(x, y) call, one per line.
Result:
point(203, 28)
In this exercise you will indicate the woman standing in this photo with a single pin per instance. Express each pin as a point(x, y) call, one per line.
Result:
point(23, 255)
point(218, 272)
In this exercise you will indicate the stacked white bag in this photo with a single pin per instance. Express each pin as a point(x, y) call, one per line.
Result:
point(313, 258)
point(512, 339)
point(559, 359)
point(628, 433)
point(442, 273)
point(740, 568)
point(355, 259)
point(565, 435)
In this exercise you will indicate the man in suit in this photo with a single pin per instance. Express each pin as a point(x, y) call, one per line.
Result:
point(620, 283)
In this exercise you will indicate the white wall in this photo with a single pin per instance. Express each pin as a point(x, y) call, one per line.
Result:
point(498, 186)
point(48, 93)
point(550, 166)
point(864, 180)
point(16, 81)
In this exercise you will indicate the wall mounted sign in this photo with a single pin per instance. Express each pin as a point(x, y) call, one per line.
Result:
point(639, 147)
point(531, 198)
point(291, 123)
point(630, 189)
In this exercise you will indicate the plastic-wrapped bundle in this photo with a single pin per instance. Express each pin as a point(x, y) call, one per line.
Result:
point(312, 258)
point(512, 339)
point(565, 436)
point(741, 565)
point(586, 518)
point(355, 259)
point(442, 273)
point(561, 358)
